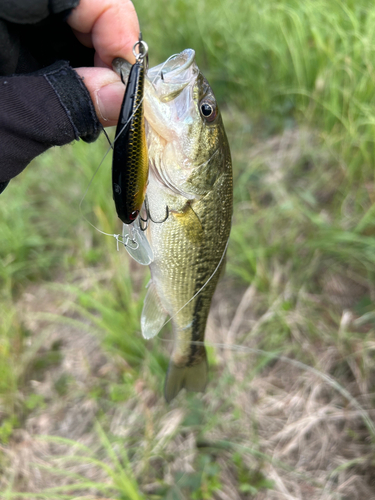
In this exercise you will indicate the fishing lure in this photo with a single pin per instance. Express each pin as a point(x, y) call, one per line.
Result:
point(130, 158)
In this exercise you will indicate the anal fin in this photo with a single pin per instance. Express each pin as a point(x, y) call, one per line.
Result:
point(153, 314)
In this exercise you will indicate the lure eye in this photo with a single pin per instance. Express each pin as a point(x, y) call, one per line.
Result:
point(208, 110)
point(133, 215)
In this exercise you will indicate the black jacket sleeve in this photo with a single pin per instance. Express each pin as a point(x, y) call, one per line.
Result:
point(43, 102)
point(39, 111)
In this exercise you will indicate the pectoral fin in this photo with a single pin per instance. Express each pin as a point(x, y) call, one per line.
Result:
point(153, 314)
point(191, 224)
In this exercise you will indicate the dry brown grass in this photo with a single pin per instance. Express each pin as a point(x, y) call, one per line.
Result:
point(314, 444)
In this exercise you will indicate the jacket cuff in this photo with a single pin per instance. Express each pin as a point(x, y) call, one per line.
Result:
point(75, 99)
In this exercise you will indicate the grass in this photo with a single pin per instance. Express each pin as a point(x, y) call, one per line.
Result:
point(282, 60)
point(119, 471)
point(295, 81)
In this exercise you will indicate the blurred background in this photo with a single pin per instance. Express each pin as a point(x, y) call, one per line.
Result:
point(288, 411)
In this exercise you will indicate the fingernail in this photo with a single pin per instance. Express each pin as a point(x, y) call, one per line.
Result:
point(109, 99)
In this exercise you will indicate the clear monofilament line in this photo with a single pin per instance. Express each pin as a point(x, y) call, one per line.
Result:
point(202, 287)
point(116, 236)
point(161, 69)
point(87, 189)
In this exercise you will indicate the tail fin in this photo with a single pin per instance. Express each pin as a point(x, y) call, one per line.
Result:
point(192, 378)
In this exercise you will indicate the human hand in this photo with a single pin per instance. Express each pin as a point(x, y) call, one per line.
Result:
point(111, 27)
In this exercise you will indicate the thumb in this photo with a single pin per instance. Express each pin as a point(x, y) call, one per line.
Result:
point(106, 92)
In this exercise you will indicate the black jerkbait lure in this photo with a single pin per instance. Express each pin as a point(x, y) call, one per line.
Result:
point(130, 158)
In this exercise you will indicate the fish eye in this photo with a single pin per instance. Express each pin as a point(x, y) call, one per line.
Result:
point(208, 110)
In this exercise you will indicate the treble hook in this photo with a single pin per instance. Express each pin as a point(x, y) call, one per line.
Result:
point(149, 218)
point(141, 227)
point(161, 221)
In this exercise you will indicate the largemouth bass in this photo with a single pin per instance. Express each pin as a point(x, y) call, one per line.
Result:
point(190, 180)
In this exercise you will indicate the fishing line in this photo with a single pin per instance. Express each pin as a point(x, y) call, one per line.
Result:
point(161, 69)
point(199, 291)
point(107, 137)
point(302, 366)
point(116, 236)
point(124, 239)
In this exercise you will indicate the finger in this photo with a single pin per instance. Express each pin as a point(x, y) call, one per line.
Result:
point(113, 25)
point(98, 63)
point(106, 91)
point(84, 38)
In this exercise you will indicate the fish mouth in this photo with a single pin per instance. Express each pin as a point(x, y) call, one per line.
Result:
point(173, 68)
point(170, 78)
point(169, 103)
